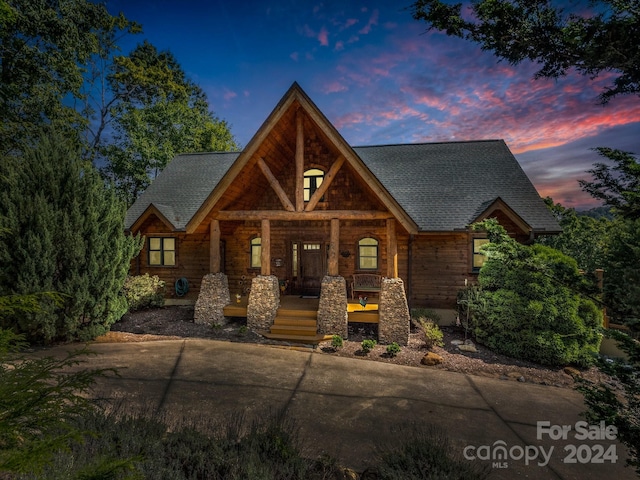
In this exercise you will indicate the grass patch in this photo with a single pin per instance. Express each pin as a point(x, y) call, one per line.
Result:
point(147, 446)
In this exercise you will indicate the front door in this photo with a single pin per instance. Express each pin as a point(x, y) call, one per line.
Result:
point(312, 267)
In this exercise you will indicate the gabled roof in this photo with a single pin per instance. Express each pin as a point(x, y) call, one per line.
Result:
point(428, 187)
point(179, 191)
point(446, 186)
point(296, 96)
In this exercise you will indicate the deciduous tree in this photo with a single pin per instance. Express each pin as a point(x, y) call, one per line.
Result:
point(594, 38)
point(161, 113)
point(45, 47)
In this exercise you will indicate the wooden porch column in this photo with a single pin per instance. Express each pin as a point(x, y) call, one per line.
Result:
point(334, 247)
point(214, 246)
point(392, 249)
point(265, 258)
point(299, 162)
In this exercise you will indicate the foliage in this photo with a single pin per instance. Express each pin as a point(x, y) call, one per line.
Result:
point(143, 291)
point(593, 41)
point(367, 345)
point(618, 186)
point(145, 445)
point(583, 238)
point(160, 113)
point(39, 403)
point(242, 331)
point(337, 342)
point(425, 321)
point(45, 49)
point(425, 452)
point(66, 236)
point(618, 406)
point(470, 303)
point(622, 275)
point(532, 305)
point(393, 349)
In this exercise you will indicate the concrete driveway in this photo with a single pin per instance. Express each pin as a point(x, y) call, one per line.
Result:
point(347, 406)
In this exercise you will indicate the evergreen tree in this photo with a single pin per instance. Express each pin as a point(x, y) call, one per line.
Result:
point(66, 235)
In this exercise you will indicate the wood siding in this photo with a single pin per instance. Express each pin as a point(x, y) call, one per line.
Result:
point(440, 264)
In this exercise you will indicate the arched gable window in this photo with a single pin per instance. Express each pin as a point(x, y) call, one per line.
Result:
point(368, 254)
point(256, 252)
point(312, 180)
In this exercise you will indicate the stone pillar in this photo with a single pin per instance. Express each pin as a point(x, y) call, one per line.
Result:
point(332, 310)
point(394, 312)
point(213, 297)
point(264, 300)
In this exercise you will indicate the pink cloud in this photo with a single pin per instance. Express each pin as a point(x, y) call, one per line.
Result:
point(323, 37)
point(373, 20)
point(339, 46)
point(229, 94)
point(349, 23)
point(334, 87)
point(294, 56)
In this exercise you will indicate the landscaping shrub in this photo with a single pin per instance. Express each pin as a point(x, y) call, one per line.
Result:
point(337, 342)
point(429, 330)
point(530, 305)
point(143, 291)
point(393, 349)
point(367, 345)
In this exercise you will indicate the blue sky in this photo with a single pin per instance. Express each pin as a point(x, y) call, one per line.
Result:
point(380, 78)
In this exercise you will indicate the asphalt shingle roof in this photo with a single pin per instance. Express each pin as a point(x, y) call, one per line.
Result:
point(182, 187)
point(445, 186)
point(441, 186)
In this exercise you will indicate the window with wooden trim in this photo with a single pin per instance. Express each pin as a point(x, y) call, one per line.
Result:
point(312, 180)
point(368, 254)
point(478, 256)
point(162, 251)
point(256, 252)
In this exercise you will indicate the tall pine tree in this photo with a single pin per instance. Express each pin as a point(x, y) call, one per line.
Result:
point(63, 231)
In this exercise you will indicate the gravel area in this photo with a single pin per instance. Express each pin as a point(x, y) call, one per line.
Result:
point(177, 322)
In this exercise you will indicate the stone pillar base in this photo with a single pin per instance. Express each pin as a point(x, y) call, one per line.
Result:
point(332, 310)
point(264, 300)
point(394, 312)
point(213, 297)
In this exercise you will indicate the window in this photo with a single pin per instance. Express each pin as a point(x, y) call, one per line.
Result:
point(162, 251)
point(368, 254)
point(478, 257)
point(256, 252)
point(312, 181)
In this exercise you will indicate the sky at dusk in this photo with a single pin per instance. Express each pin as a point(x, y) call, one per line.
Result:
point(381, 78)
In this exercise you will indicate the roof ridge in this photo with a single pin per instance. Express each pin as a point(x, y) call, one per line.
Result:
point(488, 140)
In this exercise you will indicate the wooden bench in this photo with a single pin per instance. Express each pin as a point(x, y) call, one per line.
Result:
point(365, 283)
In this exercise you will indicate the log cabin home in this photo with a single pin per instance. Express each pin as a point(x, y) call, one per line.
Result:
point(299, 204)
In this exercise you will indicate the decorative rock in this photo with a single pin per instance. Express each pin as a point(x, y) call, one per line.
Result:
point(574, 372)
point(264, 300)
point(521, 379)
point(468, 342)
point(467, 348)
point(393, 325)
point(457, 342)
point(332, 308)
point(213, 297)
point(431, 359)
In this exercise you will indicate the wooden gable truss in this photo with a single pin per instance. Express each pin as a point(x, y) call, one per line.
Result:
point(277, 155)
